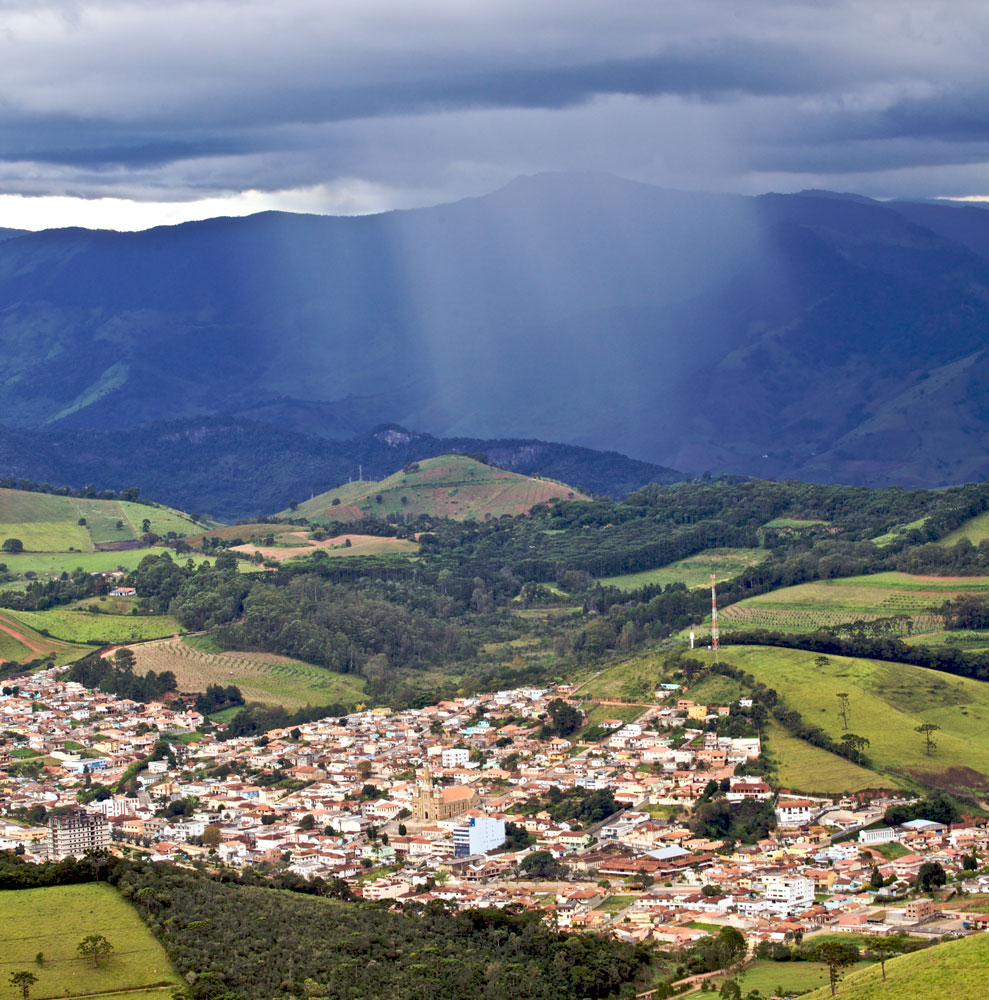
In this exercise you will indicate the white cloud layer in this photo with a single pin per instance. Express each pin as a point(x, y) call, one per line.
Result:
point(161, 110)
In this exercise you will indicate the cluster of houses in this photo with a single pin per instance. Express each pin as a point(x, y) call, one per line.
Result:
point(447, 802)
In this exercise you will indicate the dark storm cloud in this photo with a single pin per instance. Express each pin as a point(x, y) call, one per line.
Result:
point(173, 100)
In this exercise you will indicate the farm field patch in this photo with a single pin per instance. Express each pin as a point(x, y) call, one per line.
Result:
point(886, 702)
point(54, 920)
point(831, 603)
point(360, 545)
point(694, 571)
point(264, 677)
point(83, 626)
point(48, 523)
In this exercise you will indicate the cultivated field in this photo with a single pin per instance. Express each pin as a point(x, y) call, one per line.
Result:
point(47, 523)
point(264, 677)
point(360, 545)
point(83, 626)
point(694, 571)
point(831, 603)
point(886, 702)
point(54, 920)
point(955, 970)
point(451, 486)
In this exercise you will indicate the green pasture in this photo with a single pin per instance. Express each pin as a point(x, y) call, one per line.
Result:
point(83, 626)
point(54, 920)
point(694, 571)
point(895, 532)
point(794, 977)
point(715, 690)
point(976, 530)
point(47, 523)
point(11, 650)
point(886, 702)
point(627, 713)
point(955, 970)
point(634, 679)
point(801, 767)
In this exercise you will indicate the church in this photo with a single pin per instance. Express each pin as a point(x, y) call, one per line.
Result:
point(432, 802)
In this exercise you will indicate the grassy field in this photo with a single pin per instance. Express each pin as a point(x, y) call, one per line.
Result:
point(451, 486)
point(46, 523)
point(83, 626)
point(55, 920)
point(694, 571)
point(829, 603)
point(976, 530)
point(794, 977)
point(886, 702)
point(264, 677)
point(793, 522)
point(627, 713)
point(809, 769)
point(634, 679)
point(20, 642)
point(956, 970)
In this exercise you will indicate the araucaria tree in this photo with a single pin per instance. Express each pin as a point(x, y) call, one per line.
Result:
point(23, 981)
point(926, 729)
point(94, 946)
point(843, 708)
point(837, 956)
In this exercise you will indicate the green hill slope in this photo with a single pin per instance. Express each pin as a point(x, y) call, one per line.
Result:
point(47, 523)
point(453, 486)
point(55, 919)
point(956, 970)
point(887, 701)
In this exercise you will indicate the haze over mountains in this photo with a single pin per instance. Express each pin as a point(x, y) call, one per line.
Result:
point(816, 336)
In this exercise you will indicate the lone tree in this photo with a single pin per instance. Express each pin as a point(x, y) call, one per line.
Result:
point(13, 545)
point(837, 956)
point(884, 948)
point(926, 729)
point(23, 981)
point(821, 661)
point(94, 946)
point(842, 697)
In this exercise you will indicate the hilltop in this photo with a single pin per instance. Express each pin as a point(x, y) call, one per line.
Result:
point(453, 486)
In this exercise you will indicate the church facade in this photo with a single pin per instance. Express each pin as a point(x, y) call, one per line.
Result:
point(431, 802)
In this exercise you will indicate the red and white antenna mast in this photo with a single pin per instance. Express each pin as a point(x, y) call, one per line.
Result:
point(715, 636)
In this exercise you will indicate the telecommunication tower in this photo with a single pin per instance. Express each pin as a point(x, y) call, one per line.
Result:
point(715, 639)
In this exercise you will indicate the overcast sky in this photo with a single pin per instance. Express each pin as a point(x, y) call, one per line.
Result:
point(129, 113)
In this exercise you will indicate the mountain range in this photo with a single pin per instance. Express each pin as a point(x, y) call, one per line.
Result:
point(815, 336)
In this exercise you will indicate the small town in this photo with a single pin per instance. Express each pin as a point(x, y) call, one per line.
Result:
point(475, 802)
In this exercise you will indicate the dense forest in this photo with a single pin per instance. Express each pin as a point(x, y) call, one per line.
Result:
point(252, 942)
